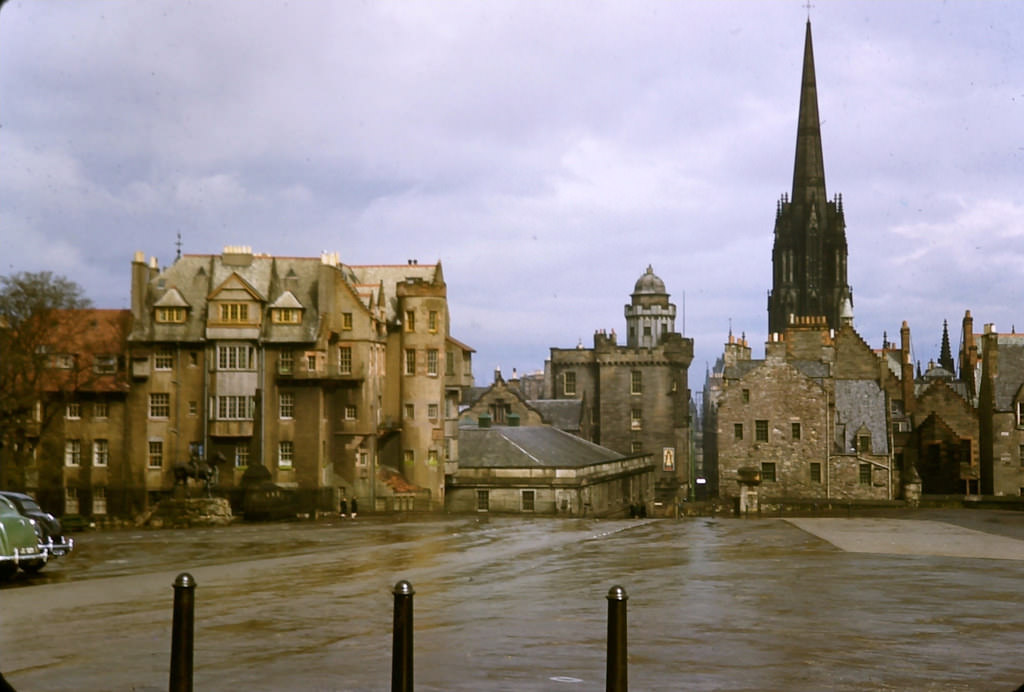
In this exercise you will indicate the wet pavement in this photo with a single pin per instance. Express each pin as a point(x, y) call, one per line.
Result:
point(915, 601)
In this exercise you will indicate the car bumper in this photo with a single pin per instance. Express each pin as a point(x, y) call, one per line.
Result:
point(23, 556)
point(59, 547)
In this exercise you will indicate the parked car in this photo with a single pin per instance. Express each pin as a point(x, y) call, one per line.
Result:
point(47, 526)
point(19, 543)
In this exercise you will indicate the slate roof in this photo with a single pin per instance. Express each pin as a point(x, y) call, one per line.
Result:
point(528, 447)
point(862, 403)
point(370, 277)
point(562, 413)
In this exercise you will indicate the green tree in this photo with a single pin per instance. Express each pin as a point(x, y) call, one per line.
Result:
point(41, 320)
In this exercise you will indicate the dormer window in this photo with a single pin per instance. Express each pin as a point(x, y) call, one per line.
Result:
point(234, 312)
point(170, 315)
point(286, 315)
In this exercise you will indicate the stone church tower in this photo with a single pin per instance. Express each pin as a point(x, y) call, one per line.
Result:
point(809, 254)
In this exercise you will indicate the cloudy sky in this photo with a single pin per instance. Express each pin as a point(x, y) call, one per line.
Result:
point(545, 152)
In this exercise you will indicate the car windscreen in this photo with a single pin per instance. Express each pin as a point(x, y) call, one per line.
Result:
point(31, 506)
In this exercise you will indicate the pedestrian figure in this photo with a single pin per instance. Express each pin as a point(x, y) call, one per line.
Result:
point(344, 507)
point(355, 507)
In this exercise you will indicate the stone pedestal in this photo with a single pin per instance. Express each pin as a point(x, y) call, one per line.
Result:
point(198, 511)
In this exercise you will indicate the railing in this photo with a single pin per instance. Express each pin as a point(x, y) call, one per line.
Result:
point(183, 638)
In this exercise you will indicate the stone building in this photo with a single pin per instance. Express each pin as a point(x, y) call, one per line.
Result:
point(543, 470)
point(808, 422)
point(506, 401)
point(636, 394)
point(335, 378)
point(1001, 412)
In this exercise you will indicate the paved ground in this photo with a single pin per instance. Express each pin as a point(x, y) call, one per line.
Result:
point(922, 601)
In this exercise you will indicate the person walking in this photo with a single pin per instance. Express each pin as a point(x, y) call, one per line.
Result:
point(344, 507)
point(355, 507)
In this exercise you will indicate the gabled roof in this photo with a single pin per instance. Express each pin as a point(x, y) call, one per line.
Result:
point(528, 447)
point(287, 300)
point(172, 299)
point(235, 280)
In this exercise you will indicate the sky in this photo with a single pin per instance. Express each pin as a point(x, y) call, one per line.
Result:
point(545, 152)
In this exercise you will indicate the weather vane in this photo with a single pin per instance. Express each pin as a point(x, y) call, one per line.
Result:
point(808, 5)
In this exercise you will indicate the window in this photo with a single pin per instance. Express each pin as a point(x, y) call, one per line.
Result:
point(234, 312)
point(346, 321)
point(528, 498)
point(286, 404)
point(408, 458)
point(193, 408)
point(70, 501)
point(647, 330)
point(761, 430)
point(864, 474)
point(72, 452)
point(635, 419)
point(1020, 413)
point(737, 431)
point(235, 407)
point(73, 411)
point(195, 449)
point(432, 361)
point(170, 315)
point(636, 384)
point(896, 407)
point(156, 453)
point(100, 409)
point(285, 451)
point(432, 458)
point(286, 315)
point(768, 471)
point(432, 321)
point(105, 365)
point(235, 357)
point(483, 500)
point(432, 411)
point(285, 362)
point(193, 358)
point(163, 360)
point(1020, 454)
point(569, 383)
point(241, 455)
point(345, 360)
point(410, 320)
point(794, 430)
point(449, 364)
point(410, 410)
point(100, 452)
point(815, 472)
point(63, 361)
point(635, 446)
point(159, 405)
point(746, 396)
point(311, 362)
point(99, 500)
point(350, 412)
point(864, 444)
point(410, 361)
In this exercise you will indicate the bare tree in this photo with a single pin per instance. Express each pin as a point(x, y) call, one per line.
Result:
point(43, 318)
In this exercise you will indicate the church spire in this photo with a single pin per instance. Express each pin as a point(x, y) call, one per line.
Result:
point(809, 167)
point(945, 353)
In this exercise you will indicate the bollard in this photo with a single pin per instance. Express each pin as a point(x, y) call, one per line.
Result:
point(616, 679)
point(401, 657)
point(182, 640)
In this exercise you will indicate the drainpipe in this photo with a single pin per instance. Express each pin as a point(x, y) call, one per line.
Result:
point(828, 471)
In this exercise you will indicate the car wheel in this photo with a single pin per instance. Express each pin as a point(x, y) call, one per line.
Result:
point(33, 567)
point(7, 570)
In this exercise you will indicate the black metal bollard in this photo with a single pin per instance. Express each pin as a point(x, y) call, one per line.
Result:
point(182, 629)
point(616, 678)
point(401, 657)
